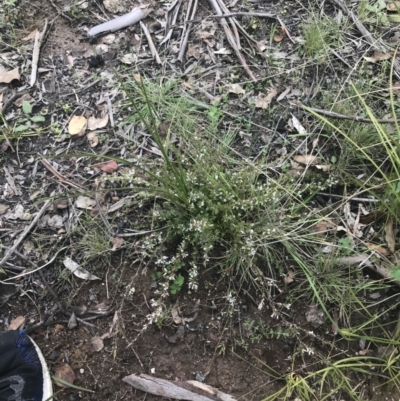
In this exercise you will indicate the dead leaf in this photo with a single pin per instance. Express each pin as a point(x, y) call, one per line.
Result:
point(117, 242)
point(278, 37)
point(393, 5)
point(297, 125)
point(179, 335)
point(193, 52)
point(97, 343)
point(55, 221)
point(80, 310)
point(97, 123)
point(84, 202)
point(306, 159)
point(236, 88)
point(192, 315)
point(3, 208)
point(390, 237)
point(289, 277)
point(93, 139)
point(7, 76)
point(378, 248)
point(323, 167)
point(58, 328)
point(72, 323)
point(78, 270)
point(110, 167)
point(64, 372)
point(176, 315)
point(324, 225)
point(77, 125)
point(263, 101)
point(379, 56)
point(30, 36)
point(16, 323)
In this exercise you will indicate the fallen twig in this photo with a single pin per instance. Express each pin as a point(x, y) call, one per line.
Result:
point(36, 51)
point(25, 232)
point(232, 40)
point(332, 114)
point(58, 175)
point(153, 49)
point(191, 12)
point(173, 11)
point(190, 390)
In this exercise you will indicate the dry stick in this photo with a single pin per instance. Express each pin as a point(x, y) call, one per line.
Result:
point(36, 50)
point(375, 43)
point(25, 233)
point(345, 117)
point(177, 6)
point(192, 9)
point(231, 40)
point(225, 10)
point(153, 49)
point(59, 176)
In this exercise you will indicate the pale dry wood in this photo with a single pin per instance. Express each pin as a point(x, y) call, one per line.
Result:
point(174, 10)
point(189, 390)
point(153, 49)
point(191, 12)
point(232, 40)
point(36, 51)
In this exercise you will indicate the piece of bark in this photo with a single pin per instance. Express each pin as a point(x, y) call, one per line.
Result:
point(181, 390)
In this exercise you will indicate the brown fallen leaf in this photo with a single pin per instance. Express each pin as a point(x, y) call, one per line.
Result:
point(393, 6)
point(263, 101)
point(16, 323)
point(378, 248)
point(117, 242)
point(379, 56)
point(97, 123)
point(110, 167)
point(30, 36)
point(289, 277)
point(93, 139)
point(7, 76)
point(390, 236)
point(77, 125)
point(278, 37)
point(324, 225)
point(64, 372)
point(97, 343)
point(306, 159)
point(237, 89)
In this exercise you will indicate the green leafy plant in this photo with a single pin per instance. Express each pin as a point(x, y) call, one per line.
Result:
point(25, 123)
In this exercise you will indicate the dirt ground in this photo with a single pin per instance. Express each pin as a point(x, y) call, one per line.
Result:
point(218, 349)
